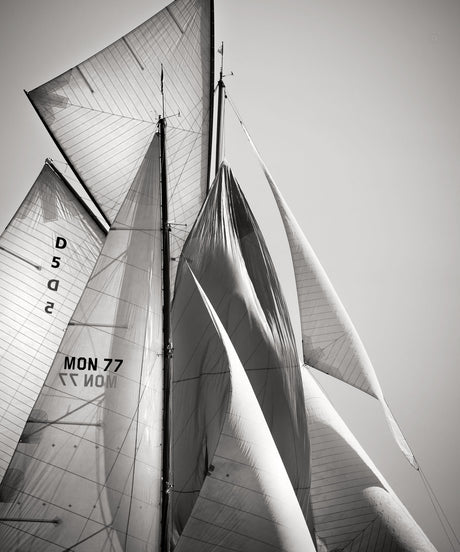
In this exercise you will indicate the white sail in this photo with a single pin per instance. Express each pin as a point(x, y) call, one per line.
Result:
point(47, 253)
point(246, 502)
point(354, 508)
point(103, 112)
point(330, 342)
point(227, 253)
point(86, 474)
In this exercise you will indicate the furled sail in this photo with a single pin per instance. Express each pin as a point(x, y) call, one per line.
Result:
point(330, 342)
point(228, 255)
point(354, 509)
point(103, 112)
point(86, 475)
point(246, 501)
point(47, 253)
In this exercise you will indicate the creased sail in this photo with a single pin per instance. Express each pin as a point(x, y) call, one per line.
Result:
point(246, 502)
point(227, 253)
point(330, 342)
point(47, 253)
point(354, 509)
point(86, 475)
point(104, 111)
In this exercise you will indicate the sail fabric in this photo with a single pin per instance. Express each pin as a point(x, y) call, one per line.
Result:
point(330, 342)
point(354, 508)
point(47, 252)
point(86, 475)
point(228, 255)
point(246, 502)
point(104, 111)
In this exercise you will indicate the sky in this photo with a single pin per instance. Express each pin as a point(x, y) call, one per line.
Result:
point(355, 109)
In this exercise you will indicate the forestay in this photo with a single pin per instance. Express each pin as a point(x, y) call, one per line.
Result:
point(228, 255)
point(354, 509)
point(87, 472)
point(246, 501)
point(103, 112)
point(47, 253)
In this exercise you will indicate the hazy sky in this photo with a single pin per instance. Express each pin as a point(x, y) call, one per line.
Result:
point(355, 108)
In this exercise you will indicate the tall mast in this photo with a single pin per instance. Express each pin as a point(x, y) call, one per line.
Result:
point(167, 341)
point(220, 111)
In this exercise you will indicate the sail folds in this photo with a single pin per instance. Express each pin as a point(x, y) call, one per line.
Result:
point(87, 472)
point(47, 253)
point(354, 509)
point(103, 112)
point(246, 501)
point(227, 253)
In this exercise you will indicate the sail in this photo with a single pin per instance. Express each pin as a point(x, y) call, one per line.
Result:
point(47, 253)
point(246, 502)
point(87, 472)
point(227, 253)
point(354, 509)
point(103, 112)
point(330, 342)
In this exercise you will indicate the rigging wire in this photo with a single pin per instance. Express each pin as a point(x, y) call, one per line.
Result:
point(440, 513)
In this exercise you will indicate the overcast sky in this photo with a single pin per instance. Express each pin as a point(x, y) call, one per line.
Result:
point(355, 108)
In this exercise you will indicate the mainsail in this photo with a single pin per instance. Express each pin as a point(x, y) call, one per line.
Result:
point(86, 473)
point(47, 253)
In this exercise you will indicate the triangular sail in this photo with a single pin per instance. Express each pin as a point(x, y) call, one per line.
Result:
point(47, 253)
point(330, 342)
point(246, 502)
point(103, 112)
point(354, 509)
point(86, 475)
point(227, 253)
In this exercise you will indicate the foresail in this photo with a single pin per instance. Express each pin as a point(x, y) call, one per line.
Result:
point(354, 509)
point(47, 253)
point(227, 253)
point(86, 475)
point(104, 111)
point(246, 502)
point(330, 342)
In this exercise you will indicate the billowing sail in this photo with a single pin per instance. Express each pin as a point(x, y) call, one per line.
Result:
point(86, 475)
point(47, 253)
point(227, 253)
point(354, 509)
point(103, 112)
point(246, 501)
point(330, 342)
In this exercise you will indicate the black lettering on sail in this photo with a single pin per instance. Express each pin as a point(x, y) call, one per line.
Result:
point(53, 285)
point(49, 307)
point(61, 243)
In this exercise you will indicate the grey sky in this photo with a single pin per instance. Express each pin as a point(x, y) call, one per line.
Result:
point(354, 107)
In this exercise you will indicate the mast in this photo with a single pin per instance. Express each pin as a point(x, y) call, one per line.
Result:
point(220, 111)
point(167, 342)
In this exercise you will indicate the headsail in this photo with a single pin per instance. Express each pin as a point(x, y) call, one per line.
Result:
point(227, 253)
point(87, 472)
point(330, 342)
point(103, 112)
point(246, 501)
point(354, 509)
point(47, 253)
